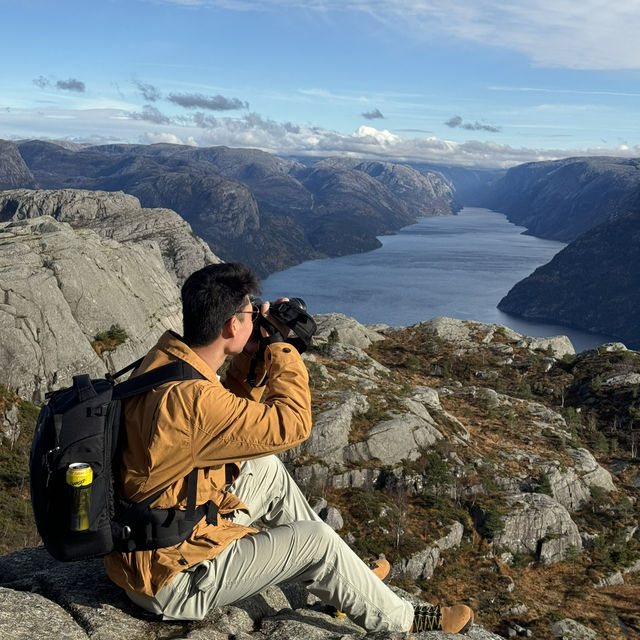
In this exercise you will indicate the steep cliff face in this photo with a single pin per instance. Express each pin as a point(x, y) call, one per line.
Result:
point(249, 205)
point(60, 287)
point(350, 205)
point(427, 194)
point(13, 170)
point(117, 216)
point(593, 284)
point(562, 199)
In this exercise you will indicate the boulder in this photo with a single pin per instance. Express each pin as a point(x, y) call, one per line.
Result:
point(394, 440)
point(10, 425)
point(349, 330)
point(569, 629)
point(610, 580)
point(458, 332)
point(319, 505)
point(591, 473)
point(546, 416)
point(621, 380)
point(567, 487)
point(332, 517)
point(313, 477)
point(330, 433)
point(421, 565)
point(427, 396)
point(453, 538)
point(560, 345)
point(466, 333)
point(612, 347)
point(487, 396)
point(356, 479)
point(536, 524)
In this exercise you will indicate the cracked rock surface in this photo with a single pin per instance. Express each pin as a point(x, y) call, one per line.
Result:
point(43, 599)
point(59, 287)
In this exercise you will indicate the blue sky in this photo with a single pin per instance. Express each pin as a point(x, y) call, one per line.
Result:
point(471, 82)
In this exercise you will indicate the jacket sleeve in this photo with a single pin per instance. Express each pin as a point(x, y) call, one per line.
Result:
point(230, 428)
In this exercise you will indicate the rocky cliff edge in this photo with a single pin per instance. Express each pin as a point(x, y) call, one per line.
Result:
point(46, 600)
point(60, 288)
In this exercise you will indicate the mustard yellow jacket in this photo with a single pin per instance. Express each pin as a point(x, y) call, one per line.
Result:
point(202, 424)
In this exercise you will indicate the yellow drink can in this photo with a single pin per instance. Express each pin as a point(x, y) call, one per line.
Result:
point(79, 477)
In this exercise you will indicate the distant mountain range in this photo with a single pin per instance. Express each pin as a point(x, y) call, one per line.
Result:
point(273, 212)
point(594, 204)
point(594, 283)
point(562, 199)
point(246, 204)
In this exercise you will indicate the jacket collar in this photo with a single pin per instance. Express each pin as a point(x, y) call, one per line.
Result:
point(170, 347)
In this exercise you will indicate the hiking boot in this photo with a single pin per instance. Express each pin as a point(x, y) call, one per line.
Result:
point(456, 619)
point(381, 568)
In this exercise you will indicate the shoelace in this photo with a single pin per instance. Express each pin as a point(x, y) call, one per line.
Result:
point(427, 618)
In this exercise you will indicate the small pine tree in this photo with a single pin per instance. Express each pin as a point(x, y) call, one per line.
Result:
point(543, 484)
point(436, 474)
point(492, 523)
point(333, 336)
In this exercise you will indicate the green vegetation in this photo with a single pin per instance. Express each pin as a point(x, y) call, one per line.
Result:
point(543, 484)
point(361, 424)
point(17, 527)
point(436, 474)
point(491, 523)
point(108, 340)
point(333, 336)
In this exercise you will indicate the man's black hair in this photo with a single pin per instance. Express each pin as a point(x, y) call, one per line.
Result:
point(212, 295)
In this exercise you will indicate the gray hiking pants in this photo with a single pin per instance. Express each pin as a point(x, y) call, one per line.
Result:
point(297, 547)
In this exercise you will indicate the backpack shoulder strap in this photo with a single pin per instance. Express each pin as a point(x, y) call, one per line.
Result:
point(111, 377)
point(177, 370)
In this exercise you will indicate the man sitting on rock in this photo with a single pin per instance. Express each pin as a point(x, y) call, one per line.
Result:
point(229, 434)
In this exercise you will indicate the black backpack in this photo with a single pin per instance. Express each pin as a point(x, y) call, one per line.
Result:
point(84, 424)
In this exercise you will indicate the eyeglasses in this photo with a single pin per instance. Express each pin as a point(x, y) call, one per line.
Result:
point(254, 313)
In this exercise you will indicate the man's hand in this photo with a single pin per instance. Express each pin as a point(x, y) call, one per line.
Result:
point(283, 330)
point(253, 343)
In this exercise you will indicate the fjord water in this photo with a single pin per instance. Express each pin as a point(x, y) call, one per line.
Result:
point(456, 266)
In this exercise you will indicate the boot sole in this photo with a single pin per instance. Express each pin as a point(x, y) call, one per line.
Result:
point(467, 626)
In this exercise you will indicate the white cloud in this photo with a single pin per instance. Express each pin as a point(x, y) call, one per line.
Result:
point(580, 34)
point(334, 97)
point(382, 137)
point(252, 130)
point(589, 34)
point(157, 137)
point(581, 92)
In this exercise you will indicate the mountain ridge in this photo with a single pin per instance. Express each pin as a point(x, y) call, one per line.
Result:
point(562, 199)
point(247, 204)
point(592, 284)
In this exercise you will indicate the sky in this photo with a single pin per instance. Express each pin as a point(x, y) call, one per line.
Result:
point(478, 83)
